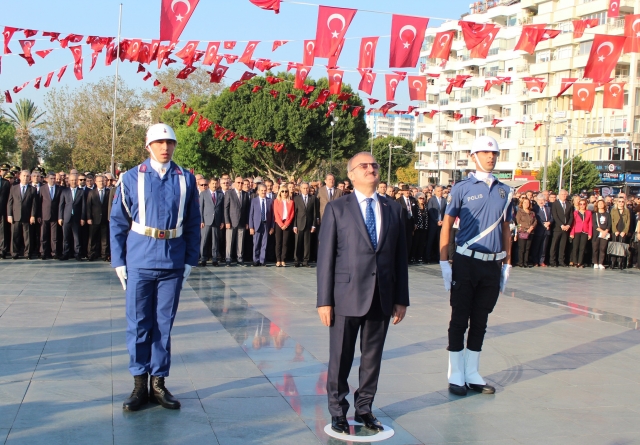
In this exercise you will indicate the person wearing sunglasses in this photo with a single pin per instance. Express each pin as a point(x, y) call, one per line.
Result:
point(621, 225)
point(581, 232)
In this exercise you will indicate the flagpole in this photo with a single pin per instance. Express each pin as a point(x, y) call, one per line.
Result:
point(115, 98)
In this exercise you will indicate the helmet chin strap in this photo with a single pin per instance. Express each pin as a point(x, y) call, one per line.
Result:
point(154, 156)
point(479, 164)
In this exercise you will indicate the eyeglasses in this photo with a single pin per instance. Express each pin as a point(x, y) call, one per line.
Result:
point(284, 192)
point(365, 165)
point(81, 180)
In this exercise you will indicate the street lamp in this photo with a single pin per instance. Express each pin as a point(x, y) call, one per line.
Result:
point(333, 123)
point(391, 147)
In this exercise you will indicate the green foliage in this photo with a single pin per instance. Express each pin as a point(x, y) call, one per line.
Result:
point(585, 175)
point(8, 143)
point(25, 117)
point(400, 157)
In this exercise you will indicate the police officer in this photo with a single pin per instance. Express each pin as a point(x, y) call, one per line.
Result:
point(481, 263)
point(155, 239)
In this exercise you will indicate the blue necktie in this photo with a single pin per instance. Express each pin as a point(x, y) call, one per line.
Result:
point(371, 224)
point(264, 211)
point(52, 192)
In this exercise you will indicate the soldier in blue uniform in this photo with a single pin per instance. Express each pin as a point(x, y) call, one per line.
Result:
point(154, 243)
point(481, 263)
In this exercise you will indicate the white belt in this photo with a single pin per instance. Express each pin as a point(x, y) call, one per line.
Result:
point(481, 256)
point(156, 233)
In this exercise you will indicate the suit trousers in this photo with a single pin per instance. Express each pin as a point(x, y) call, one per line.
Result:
point(433, 242)
point(524, 249)
point(152, 298)
point(474, 293)
point(99, 241)
point(71, 234)
point(558, 247)
point(409, 231)
point(260, 237)
point(49, 238)
point(539, 248)
point(303, 246)
point(209, 234)
point(579, 247)
point(282, 243)
point(343, 335)
point(599, 249)
point(20, 237)
point(34, 239)
point(85, 240)
point(419, 244)
point(5, 235)
point(235, 234)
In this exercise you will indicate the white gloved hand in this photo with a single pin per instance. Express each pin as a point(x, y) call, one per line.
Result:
point(187, 272)
point(121, 271)
point(447, 274)
point(506, 270)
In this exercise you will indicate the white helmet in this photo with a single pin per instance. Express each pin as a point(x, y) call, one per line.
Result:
point(160, 132)
point(485, 143)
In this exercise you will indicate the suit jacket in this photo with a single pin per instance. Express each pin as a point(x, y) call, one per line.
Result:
point(112, 193)
point(96, 211)
point(211, 214)
point(323, 197)
point(255, 214)
point(405, 213)
point(560, 217)
point(236, 210)
point(305, 216)
point(278, 212)
point(579, 225)
point(48, 206)
point(22, 208)
point(349, 268)
point(542, 218)
point(5, 189)
point(433, 209)
point(67, 203)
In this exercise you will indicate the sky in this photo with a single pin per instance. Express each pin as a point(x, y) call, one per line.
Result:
point(213, 20)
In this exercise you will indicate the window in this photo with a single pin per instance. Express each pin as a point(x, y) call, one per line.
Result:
point(585, 48)
point(565, 52)
point(616, 124)
point(506, 88)
point(565, 27)
point(543, 56)
point(506, 112)
point(600, 128)
point(506, 133)
point(512, 20)
point(528, 108)
point(636, 124)
point(504, 155)
point(481, 132)
point(524, 156)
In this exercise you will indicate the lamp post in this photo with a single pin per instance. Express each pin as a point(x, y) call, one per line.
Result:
point(391, 147)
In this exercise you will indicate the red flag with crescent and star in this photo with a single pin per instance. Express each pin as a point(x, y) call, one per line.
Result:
point(442, 45)
point(482, 50)
point(332, 26)
point(7, 34)
point(613, 96)
point(532, 35)
point(614, 9)
point(417, 88)
point(475, 33)
point(248, 51)
point(368, 47)
point(218, 73)
point(632, 31)
point(535, 84)
point(391, 83)
point(210, 56)
point(367, 81)
point(407, 35)
point(301, 75)
point(583, 96)
point(604, 56)
point(309, 55)
point(580, 25)
point(174, 16)
point(187, 54)
point(335, 81)
point(565, 84)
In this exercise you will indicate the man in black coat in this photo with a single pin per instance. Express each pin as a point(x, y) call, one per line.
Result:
point(304, 224)
point(22, 211)
point(72, 216)
point(436, 207)
point(5, 188)
point(409, 211)
point(236, 219)
point(97, 212)
point(562, 212)
point(49, 204)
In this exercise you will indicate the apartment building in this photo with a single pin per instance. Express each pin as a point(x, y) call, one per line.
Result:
point(603, 135)
point(393, 124)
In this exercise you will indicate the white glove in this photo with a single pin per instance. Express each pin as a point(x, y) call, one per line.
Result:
point(447, 274)
point(121, 271)
point(506, 270)
point(187, 272)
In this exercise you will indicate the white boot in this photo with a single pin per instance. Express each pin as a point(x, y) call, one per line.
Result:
point(456, 373)
point(472, 378)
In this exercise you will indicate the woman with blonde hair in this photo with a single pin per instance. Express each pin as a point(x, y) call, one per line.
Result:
point(581, 232)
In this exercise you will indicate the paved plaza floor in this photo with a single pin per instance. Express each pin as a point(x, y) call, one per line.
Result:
point(250, 355)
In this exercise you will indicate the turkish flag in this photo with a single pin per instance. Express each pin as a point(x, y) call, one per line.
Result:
point(613, 96)
point(301, 75)
point(77, 52)
point(386, 107)
point(248, 51)
point(367, 81)
point(269, 5)
point(580, 25)
point(457, 82)
point(277, 44)
point(407, 35)
point(133, 50)
point(614, 9)
point(473, 119)
point(94, 60)
point(17, 89)
point(144, 56)
point(163, 53)
point(565, 84)
point(532, 35)
point(583, 96)
point(174, 16)
point(475, 33)
point(457, 116)
point(48, 81)
point(323, 96)
point(235, 85)
point(391, 83)
point(61, 72)
point(442, 45)
point(335, 81)
point(218, 73)
point(211, 54)
point(8, 33)
point(332, 26)
point(632, 31)
point(417, 88)
point(491, 82)
point(77, 69)
point(368, 52)
point(26, 47)
point(604, 56)
point(333, 60)
point(186, 72)
point(495, 122)
point(44, 53)
point(535, 84)
point(309, 55)
point(188, 52)
point(73, 38)
point(482, 50)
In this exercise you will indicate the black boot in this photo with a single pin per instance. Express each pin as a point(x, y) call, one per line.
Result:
point(140, 394)
point(158, 393)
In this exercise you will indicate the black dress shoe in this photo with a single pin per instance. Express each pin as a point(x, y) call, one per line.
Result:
point(339, 424)
point(241, 263)
point(14, 257)
point(457, 390)
point(215, 264)
point(482, 389)
point(202, 263)
point(369, 421)
point(63, 258)
point(228, 264)
point(256, 264)
point(296, 265)
point(158, 393)
point(140, 394)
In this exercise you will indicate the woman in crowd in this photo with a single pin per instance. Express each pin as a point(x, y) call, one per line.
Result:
point(581, 232)
point(283, 211)
point(602, 232)
point(620, 226)
point(526, 220)
point(420, 235)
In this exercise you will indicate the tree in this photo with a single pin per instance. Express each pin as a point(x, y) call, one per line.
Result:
point(408, 174)
point(25, 117)
point(8, 143)
point(585, 175)
point(400, 157)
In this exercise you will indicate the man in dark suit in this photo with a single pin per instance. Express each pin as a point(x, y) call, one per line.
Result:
point(34, 229)
point(562, 212)
point(542, 232)
point(304, 224)
point(362, 281)
point(22, 212)
point(211, 221)
point(328, 193)
point(261, 224)
point(97, 211)
point(409, 209)
point(5, 188)
point(436, 207)
point(236, 219)
point(49, 203)
point(72, 216)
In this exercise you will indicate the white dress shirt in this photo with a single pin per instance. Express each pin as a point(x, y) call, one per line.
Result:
point(284, 212)
point(362, 202)
point(159, 167)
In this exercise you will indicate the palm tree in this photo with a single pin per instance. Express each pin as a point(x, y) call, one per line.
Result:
point(25, 117)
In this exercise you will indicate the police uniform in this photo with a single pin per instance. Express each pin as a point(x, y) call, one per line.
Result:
point(154, 243)
point(476, 275)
